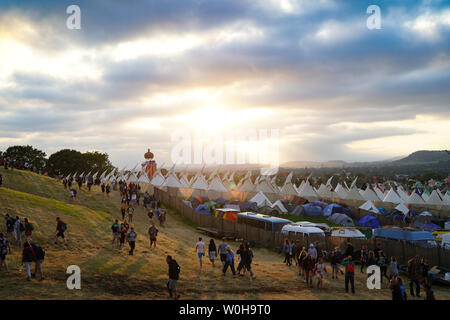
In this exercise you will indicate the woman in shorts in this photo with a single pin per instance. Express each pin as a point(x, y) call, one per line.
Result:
point(319, 270)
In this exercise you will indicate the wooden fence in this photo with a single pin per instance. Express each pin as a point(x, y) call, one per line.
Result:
point(402, 251)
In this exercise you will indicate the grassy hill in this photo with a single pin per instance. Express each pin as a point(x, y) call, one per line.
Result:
point(108, 273)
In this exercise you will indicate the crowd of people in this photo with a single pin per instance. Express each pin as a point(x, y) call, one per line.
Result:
point(19, 236)
point(310, 263)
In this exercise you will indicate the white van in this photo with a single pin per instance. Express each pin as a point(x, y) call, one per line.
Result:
point(347, 233)
point(297, 229)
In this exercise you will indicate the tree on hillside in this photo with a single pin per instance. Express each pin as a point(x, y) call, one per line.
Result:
point(26, 154)
point(70, 161)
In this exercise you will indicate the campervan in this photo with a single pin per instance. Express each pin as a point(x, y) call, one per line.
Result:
point(301, 230)
point(347, 233)
point(323, 226)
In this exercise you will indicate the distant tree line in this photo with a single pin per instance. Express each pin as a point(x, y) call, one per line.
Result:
point(61, 162)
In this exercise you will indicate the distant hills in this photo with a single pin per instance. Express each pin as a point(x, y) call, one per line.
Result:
point(415, 158)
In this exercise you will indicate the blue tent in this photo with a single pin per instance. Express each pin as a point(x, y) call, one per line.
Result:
point(382, 210)
point(332, 208)
point(369, 222)
point(348, 213)
point(319, 204)
point(427, 226)
point(202, 209)
point(298, 211)
point(312, 211)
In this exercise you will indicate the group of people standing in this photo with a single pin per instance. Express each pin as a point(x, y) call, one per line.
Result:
point(227, 257)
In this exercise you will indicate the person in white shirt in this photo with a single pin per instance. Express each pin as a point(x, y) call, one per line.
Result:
point(200, 249)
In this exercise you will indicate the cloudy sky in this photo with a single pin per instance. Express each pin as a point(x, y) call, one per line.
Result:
point(138, 70)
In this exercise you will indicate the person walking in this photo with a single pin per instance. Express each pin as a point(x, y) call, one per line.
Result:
point(246, 261)
point(130, 213)
point(28, 256)
point(131, 237)
point(40, 254)
point(308, 266)
point(212, 251)
point(393, 268)
point(286, 251)
point(200, 249)
point(301, 257)
point(335, 265)
point(153, 233)
point(319, 270)
point(19, 228)
point(223, 251)
point(313, 252)
point(4, 250)
point(174, 276)
point(364, 255)
point(414, 274)
point(382, 263)
point(349, 273)
point(61, 227)
point(28, 229)
point(229, 262)
point(122, 236)
point(115, 228)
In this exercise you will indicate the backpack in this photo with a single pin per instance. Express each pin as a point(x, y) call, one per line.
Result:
point(21, 227)
point(350, 268)
point(63, 226)
point(40, 253)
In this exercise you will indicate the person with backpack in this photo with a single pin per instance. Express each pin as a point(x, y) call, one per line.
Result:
point(115, 228)
point(28, 229)
point(222, 248)
point(349, 273)
point(40, 255)
point(153, 233)
point(131, 237)
point(19, 228)
point(61, 227)
point(108, 189)
point(28, 256)
point(10, 226)
point(174, 276)
point(4, 250)
point(301, 256)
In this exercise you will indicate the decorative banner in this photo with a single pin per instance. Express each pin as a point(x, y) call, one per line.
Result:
point(150, 168)
point(149, 165)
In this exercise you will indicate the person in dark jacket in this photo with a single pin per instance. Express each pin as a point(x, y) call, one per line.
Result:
point(174, 275)
point(28, 256)
point(397, 288)
point(414, 274)
point(349, 250)
point(246, 260)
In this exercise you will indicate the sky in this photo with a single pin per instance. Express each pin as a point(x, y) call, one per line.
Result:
point(138, 72)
